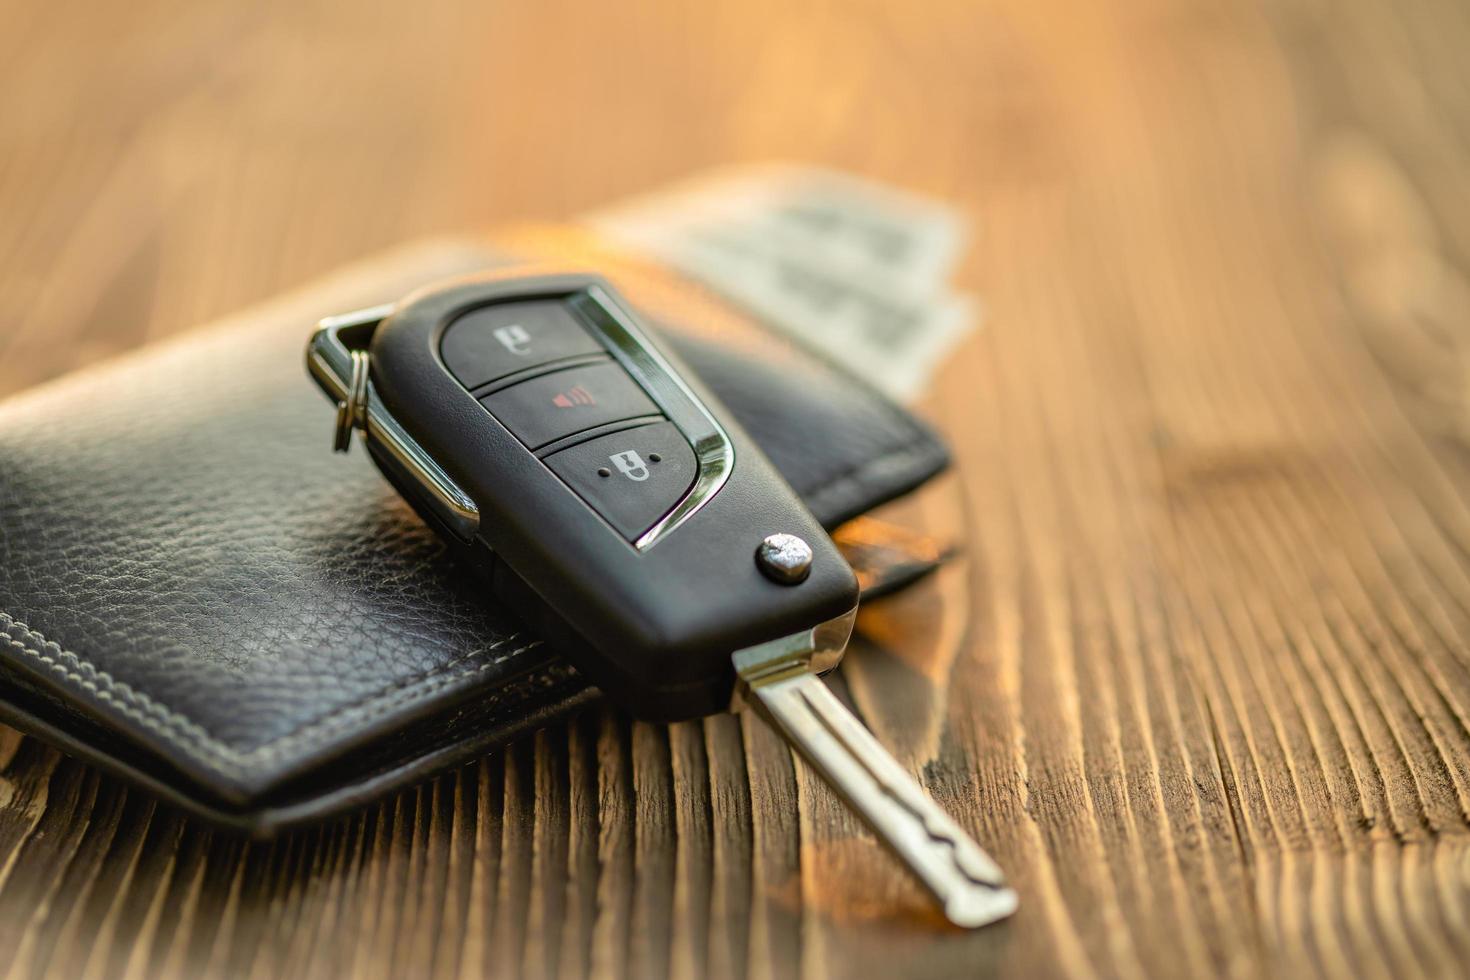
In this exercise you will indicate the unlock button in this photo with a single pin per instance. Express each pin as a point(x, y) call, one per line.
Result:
point(633, 477)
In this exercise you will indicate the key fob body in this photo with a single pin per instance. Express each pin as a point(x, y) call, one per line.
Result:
point(610, 500)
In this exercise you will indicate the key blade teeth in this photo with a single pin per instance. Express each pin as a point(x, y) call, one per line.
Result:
point(971, 908)
point(968, 857)
point(979, 895)
point(978, 866)
point(971, 861)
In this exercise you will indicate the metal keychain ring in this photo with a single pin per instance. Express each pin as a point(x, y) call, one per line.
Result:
point(352, 411)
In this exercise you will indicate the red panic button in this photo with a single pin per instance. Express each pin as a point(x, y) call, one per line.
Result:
point(552, 406)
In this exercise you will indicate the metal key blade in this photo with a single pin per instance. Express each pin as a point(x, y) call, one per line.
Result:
point(778, 679)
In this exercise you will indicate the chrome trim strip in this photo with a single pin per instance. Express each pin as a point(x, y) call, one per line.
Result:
point(357, 318)
point(713, 450)
point(329, 360)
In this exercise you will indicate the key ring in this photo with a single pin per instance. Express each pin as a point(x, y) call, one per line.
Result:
point(352, 411)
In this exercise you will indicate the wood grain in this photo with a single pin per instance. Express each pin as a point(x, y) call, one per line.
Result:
point(1201, 680)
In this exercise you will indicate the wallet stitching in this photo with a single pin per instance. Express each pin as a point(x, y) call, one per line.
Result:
point(173, 726)
point(169, 723)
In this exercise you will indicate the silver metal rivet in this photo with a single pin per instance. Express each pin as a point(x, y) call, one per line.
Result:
point(784, 558)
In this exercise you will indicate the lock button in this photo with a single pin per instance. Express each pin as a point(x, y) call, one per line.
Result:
point(633, 477)
point(493, 341)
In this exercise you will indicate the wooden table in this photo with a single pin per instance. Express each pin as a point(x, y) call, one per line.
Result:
point(1201, 682)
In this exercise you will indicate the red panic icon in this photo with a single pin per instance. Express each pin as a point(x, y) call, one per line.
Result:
point(576, 396)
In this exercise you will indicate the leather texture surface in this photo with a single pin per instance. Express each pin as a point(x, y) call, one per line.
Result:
point(197, 594)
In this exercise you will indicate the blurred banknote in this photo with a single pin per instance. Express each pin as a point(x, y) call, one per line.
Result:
point(854, 269)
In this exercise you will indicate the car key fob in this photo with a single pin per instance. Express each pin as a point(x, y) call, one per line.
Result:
point(610, 499)
point(615, 505)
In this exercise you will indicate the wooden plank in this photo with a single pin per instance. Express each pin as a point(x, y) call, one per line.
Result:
point(1200, 679)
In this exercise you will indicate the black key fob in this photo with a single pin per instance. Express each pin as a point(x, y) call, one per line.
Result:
point(616, 506)
point(609, 498)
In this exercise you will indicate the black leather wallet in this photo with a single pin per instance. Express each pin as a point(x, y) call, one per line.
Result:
point(198, 595)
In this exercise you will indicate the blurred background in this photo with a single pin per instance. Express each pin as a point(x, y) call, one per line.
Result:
point(167, 162)
point(162, 163)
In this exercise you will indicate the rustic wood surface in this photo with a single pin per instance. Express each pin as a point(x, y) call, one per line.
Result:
point(1202, 681)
